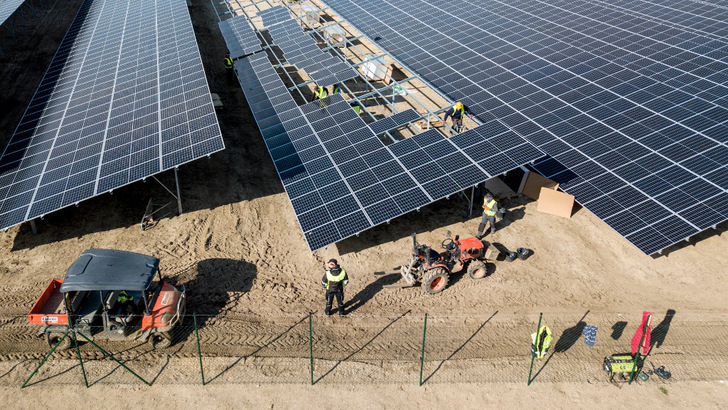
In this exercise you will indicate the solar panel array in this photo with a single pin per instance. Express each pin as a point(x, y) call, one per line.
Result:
point(301, 50)
point(341, 179)
point(394, 121)
point(239, 36)
point(8, 7)
point(125, 97)
point(628, 98)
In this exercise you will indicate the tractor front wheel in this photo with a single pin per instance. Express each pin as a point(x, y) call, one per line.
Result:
point(477, 270)
point(53, 338)
point(160, 340)
point(435, 280)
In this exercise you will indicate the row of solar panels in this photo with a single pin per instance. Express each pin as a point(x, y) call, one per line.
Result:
point(341, 179)
point(125, 97)
point(629, 99)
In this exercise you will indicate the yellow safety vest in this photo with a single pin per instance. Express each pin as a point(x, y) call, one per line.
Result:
point(337, 89)
point(488, 206)
point(321, 93)
point(462, 111)
point(124, 297)
point(228, 62)
point(540, 351)
point(331, 278)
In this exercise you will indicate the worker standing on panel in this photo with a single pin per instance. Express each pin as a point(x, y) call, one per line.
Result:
point(457, 112)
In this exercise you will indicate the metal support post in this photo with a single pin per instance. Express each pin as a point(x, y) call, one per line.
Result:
point(179, 197)
point(199, 354)
point(472, 198)
point(80, 360)
point(45, 358)
point(637, 355)
point(33, 227)
point(533, 356)
point(422, 357)
point(109, 355)
point(310, 344)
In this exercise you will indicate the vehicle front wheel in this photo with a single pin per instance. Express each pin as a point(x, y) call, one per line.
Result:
point(477, 270)
point(53, 339)
point(435, 280)
point(160, 340)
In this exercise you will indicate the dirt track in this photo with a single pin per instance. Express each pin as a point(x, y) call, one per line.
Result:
point(239, 251)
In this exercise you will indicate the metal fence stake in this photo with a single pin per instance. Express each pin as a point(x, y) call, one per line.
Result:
point(45, 358)
point(109, 355)
point(422, 357)
point(199, 354)
point(80, 360)
point(637, 355)
point(533, 356)
point(310, 344)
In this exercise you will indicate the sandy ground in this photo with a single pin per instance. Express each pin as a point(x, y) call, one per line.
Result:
point(238, 249)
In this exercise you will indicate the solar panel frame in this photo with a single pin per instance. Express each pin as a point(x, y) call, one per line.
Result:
point(239, 36)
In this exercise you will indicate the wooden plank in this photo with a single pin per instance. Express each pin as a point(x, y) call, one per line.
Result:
point(534, 183)
point(556, 203)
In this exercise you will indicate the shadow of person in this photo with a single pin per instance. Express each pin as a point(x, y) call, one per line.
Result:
point(569, 337)
point(659, 332)
point(369, 291)
point(618, 329)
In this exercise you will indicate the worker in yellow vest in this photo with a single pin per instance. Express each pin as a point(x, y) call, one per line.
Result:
point(457, 112)
point(320, 93)
point(540, 343)
point(334, 281)
point(490, 208)
point(229, 64)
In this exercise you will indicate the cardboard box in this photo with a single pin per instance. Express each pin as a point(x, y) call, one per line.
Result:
point(534, 183)
point(555, 202)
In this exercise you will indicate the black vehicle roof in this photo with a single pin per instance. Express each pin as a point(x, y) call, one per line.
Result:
point(109, 269)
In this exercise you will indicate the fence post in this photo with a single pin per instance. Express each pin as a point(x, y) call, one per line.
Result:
point(310, 345)
point(637, 355)
point(80, 360)
point(532, 355)
point(199, 354)
point(45, 358)
point(422, 357)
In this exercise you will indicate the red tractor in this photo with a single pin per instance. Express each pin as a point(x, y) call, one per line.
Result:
point(432, 269)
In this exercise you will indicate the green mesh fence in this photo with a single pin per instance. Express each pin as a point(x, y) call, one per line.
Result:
point(491, 348)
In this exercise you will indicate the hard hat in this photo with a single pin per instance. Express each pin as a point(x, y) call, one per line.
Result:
point(458, 105)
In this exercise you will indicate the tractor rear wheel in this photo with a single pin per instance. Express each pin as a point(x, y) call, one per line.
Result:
point(160, 340)
point(477, 270)
point(435, 280)
point(53, 338)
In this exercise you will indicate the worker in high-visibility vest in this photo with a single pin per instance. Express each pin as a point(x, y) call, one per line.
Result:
point(356, 107)
point(229, 64)
point(334, 281)
point(457, 112)
point(336, 89)
point(490, 208)
point(540, 343)
point(320, 93)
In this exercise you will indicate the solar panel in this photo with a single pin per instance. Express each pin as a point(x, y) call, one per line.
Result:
point(339, 177)
point(239, 36)
point(394, 121)
point(125, 97)
point(628, 98)
point(8, 7)
point(301, 50)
